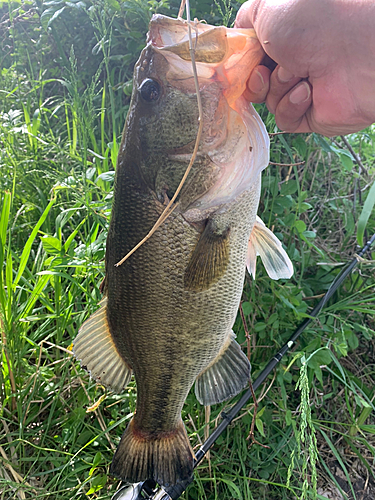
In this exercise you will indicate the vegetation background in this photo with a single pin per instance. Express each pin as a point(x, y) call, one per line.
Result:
point(65, 82)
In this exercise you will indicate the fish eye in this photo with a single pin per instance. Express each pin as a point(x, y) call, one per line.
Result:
point(149, 90)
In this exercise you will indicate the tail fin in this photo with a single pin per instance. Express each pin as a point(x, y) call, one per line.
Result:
point(166, 457)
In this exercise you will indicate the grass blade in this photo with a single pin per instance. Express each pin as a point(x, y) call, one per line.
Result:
point(30, 240)
point(339, 459)
point(365, 214)
point(4, 224)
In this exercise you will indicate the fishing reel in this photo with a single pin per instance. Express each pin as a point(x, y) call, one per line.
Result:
point(147, 490)
point(140, 491)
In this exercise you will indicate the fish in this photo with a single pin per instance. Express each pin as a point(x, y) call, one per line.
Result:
point(167, 312)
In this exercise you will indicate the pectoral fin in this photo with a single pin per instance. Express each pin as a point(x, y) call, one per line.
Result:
point(95, 348)
point(209, 259)
point(225, 377)
point(264, 243)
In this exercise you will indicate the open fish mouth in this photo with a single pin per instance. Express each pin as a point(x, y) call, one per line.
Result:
point(222, 54)
point(235, 138)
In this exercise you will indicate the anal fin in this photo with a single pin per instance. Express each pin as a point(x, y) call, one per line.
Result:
point(95, 348)
point(226, 376)
point(209, 259)
point(264, 243)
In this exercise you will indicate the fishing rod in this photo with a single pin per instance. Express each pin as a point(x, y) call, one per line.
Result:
point(146, 490)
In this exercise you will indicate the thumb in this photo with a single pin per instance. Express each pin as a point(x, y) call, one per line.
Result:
point(246, 16)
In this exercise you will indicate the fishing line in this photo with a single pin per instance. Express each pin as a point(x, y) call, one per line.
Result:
point(146, 489)
point(169, 209)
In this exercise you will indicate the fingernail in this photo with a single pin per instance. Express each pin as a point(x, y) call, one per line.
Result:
point(284, 75)
point(256, 82)
point(300, 94)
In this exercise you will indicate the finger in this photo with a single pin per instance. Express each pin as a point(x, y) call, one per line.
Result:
point(258, 85)
point(245, 16)
point(281, 82)
point(291, 110)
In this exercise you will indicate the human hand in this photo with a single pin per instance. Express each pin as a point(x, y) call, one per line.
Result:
point(324, 80)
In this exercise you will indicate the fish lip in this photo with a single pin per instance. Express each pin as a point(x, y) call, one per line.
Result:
point(157, 24)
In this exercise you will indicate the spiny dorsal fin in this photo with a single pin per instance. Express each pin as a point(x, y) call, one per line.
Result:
point(95, 348)
point(226, 376)
point(209, 259)
point(264, 243)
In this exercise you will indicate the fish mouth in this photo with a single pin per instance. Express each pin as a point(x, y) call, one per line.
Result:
point(214, 46)
point(234, 138)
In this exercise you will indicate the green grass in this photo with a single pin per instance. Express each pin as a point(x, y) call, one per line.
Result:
point(59, 142)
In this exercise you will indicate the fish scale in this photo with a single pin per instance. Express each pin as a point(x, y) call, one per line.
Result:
point(168, 310)
point(175, 333)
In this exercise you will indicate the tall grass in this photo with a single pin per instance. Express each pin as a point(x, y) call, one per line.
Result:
point(59, 142)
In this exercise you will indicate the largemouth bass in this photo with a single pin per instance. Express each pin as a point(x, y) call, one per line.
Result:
point(168, 311)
